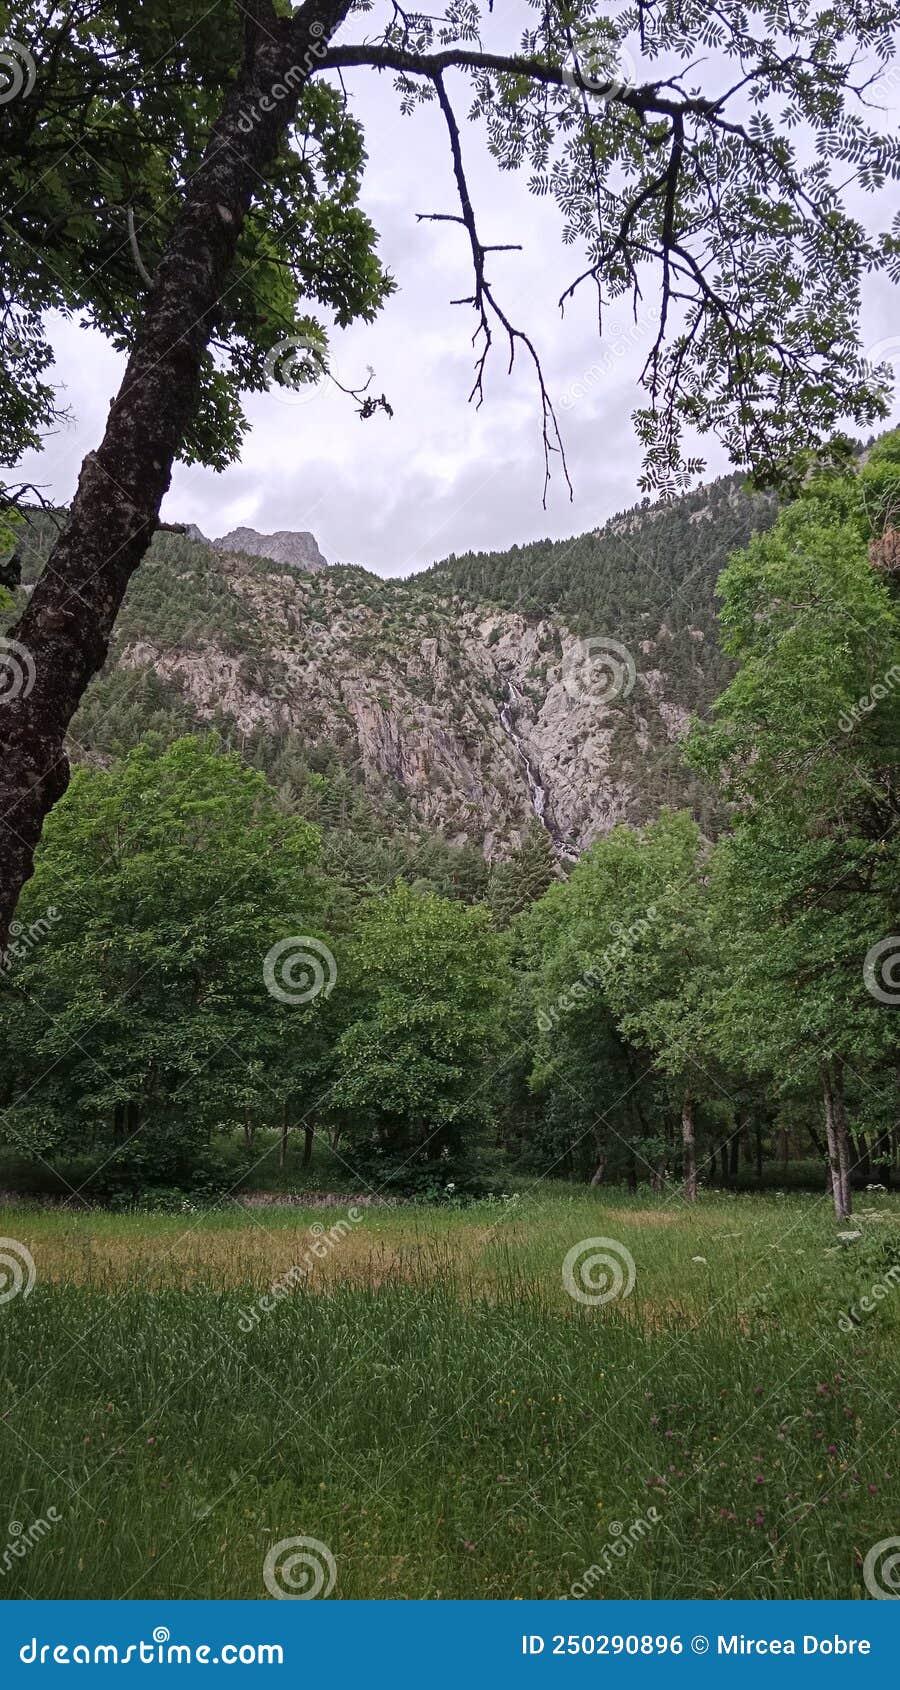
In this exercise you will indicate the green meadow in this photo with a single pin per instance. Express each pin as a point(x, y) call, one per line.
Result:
point(417, 1390)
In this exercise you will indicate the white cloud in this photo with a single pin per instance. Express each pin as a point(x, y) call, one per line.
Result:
point(394, 494)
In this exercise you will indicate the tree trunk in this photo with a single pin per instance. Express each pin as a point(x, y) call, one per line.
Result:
point(599, 1172)
point(837, 1139)
point(759, 1153)
point(863, 1157)
point(688, 1140)
point(734, 1150)
point(843, 1139)
point(66, 626)
point(309, 1134)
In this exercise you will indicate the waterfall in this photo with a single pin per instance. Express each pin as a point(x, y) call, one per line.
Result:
point(508, 713)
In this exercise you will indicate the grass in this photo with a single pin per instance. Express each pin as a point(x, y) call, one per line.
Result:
point(430, 1403)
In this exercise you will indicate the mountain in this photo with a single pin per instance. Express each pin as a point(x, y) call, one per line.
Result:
point(299, 550)
point(546, 687)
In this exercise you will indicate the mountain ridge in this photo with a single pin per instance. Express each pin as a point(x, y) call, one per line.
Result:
point(548, 686)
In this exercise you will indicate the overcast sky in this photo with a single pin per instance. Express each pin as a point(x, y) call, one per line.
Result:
point(397, 493)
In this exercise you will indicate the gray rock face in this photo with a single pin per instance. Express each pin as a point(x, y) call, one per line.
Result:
point(488, 719)
point(301, 551)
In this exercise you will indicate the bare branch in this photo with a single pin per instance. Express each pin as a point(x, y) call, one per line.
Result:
point(487, 307)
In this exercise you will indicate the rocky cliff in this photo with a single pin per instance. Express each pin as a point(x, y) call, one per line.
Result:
point(487, 719)
point(300, 550)
point(458, 714)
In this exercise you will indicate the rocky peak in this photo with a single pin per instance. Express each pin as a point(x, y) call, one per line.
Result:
point(300, 550)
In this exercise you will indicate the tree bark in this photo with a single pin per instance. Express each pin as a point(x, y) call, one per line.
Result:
point(67, 624)
point(863, 1157)
point(309, 1134)
point(837, 1139)
point(599, 1173)
point(688, 1139)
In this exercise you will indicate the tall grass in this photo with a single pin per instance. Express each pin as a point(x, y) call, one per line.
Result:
point(431, 1404)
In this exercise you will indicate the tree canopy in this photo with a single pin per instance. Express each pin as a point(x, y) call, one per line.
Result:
point(724, 192)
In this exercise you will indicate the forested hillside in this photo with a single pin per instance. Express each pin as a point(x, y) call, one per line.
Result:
point(648, 568)
point(438, 725)
point(668, 1000)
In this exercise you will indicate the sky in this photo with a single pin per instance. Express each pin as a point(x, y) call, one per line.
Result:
point(396, 494)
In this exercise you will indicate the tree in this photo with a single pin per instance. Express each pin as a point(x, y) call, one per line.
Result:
point(805, 742)
point(598, 1085)
point(758, 259)
point(411, 1085)
point(525, 876)
point(136, 1016)
point(658, 989)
